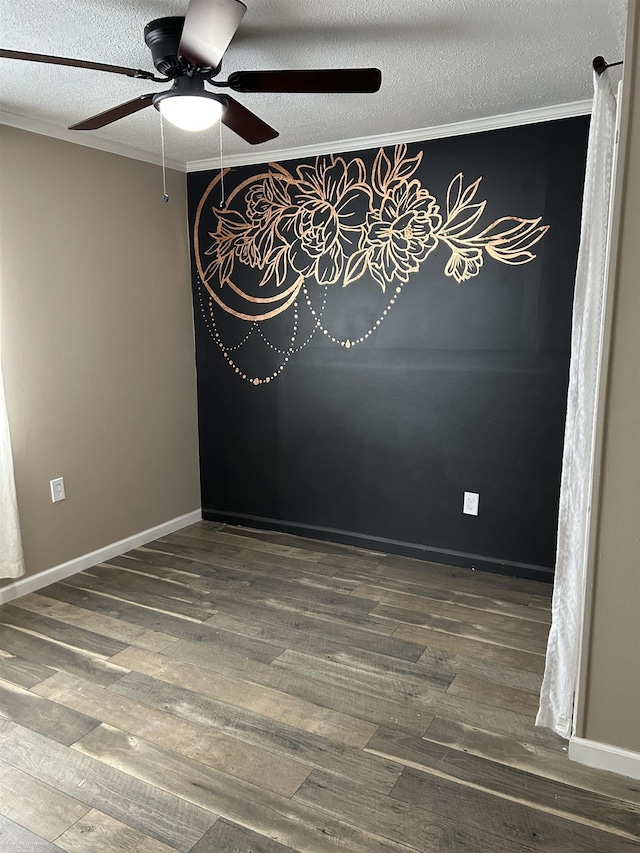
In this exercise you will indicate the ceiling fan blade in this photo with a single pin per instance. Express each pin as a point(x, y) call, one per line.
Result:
point(209, 26)
point(246, 124)
point(77, 63)
point(114, 113)
point(337, 80)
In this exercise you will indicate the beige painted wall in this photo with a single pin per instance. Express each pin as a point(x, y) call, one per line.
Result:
point(609, 708)
point(97, 344)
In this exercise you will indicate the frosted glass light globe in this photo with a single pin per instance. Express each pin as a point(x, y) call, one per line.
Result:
point(191, 112)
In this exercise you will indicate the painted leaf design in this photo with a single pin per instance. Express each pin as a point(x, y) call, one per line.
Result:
point(222, 252)
point(221, 244)
point(381, 172)
point(282, 267)
point(456, 198)
point(210, 269)
point(454, 192)
point(404, 167)
point(459, 224)
point(378, 275)
point(226, 269)
point(470, 192)
point(511, 245)
point(357, 266)
point(514, 225)
point(231, 222)
point(276, 267)
point(220, 268)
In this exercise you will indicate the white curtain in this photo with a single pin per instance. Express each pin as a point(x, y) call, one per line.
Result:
point(11, 559)
point(562, 662)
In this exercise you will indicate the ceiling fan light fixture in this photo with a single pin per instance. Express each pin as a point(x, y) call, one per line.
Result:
point(190, 112)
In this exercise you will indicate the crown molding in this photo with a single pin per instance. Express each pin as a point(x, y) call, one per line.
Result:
point(255, 156)
point(45, 129)
point(478, 125)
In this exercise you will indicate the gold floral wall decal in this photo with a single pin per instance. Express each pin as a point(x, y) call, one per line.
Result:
point(332, 223)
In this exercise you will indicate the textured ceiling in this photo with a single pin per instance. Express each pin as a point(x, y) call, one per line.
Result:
point(442, 62)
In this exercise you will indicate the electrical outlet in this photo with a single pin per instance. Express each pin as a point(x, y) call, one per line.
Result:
point(57, 490)
point(470, 503)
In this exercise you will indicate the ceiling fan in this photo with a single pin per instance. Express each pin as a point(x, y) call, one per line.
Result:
point(188, 51)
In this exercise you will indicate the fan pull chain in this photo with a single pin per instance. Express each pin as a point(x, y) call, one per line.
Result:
point(221, 169)
point(165, 197)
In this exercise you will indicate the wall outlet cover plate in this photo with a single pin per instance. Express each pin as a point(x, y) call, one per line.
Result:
point(57, 490)
point(470, 503)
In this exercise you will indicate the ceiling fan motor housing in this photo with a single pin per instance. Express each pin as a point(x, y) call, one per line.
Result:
point(185, 85)
point(162, 37)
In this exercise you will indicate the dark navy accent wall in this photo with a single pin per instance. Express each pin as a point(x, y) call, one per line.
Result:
point(461, 387)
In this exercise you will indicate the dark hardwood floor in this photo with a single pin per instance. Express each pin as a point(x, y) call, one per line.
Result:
point(230, 690)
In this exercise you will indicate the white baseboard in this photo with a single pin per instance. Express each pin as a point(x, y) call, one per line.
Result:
point(605, 757)
point(31, 583)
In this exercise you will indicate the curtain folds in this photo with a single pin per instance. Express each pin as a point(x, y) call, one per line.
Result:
point(562, 661)
point(11, 558)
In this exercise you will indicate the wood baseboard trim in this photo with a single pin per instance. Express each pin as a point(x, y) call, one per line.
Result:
point(624, 762)
point(31, 583)
point(389, 546)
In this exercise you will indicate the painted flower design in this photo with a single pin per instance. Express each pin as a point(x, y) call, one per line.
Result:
point(231, 229)
point(341, 221)
point(337, 220)
point(332, 200)
point(398, 236)
point(268, 199)
point(266, 203)
point(401, 233)
point(464, 263)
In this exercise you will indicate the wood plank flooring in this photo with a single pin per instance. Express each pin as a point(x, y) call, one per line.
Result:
point(226, 690)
